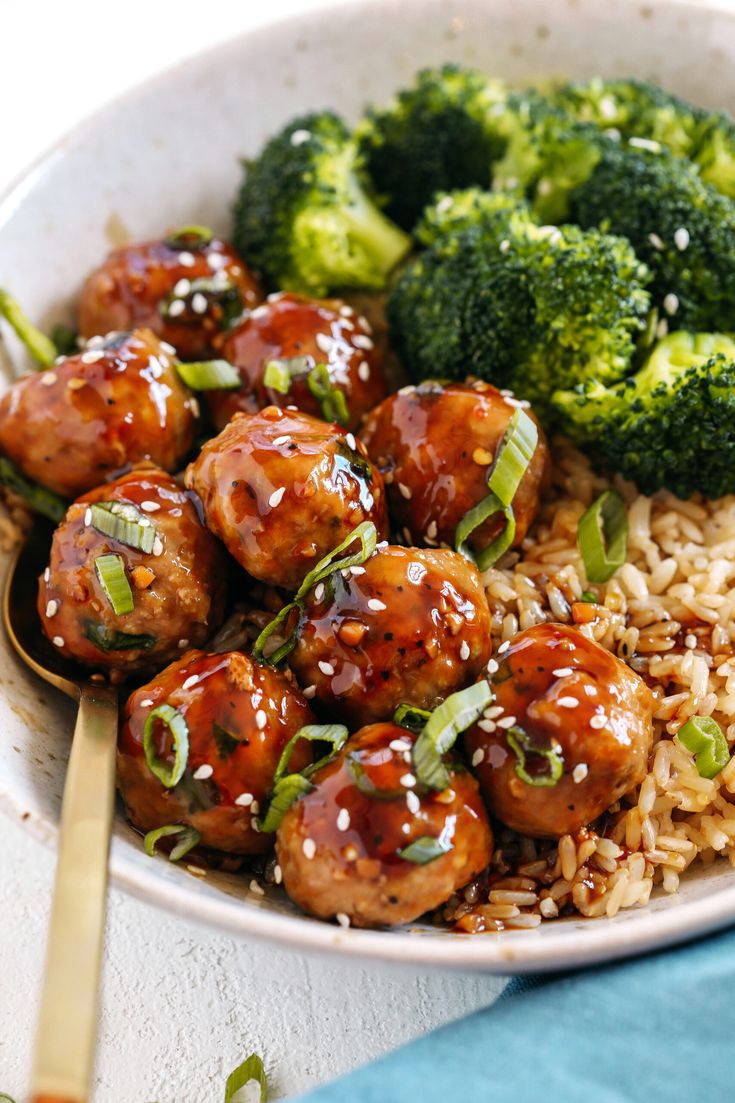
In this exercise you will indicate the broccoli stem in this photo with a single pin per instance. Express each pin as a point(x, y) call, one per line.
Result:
point(41, 348)
point(377, 236)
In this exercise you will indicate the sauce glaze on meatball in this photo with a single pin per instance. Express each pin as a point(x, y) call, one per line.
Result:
point(185, 294)
point(338, 846)
point(411, 625)
point(118, 402)
point(434, 445)
point(281, 489)
point(568, 694)
point(178, 587)
point(290, 326)
point(239, 717)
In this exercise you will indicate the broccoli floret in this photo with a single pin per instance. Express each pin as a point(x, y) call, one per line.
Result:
point(537, 310)
point(683, 230)
point(500, 213)
point(304, 217)
point(672, 424)
point(442, 133)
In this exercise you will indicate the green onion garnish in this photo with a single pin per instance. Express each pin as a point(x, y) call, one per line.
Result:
point(287, 788)
point(521, 745)
point(424, 850)
point(190, 237)
point(589, 596)
point(704, 737)
point(284, 794)
point(279, 374)
point(314, 733)
point(189, 839)
point(125, 523)
point(173, 720)
point(250, 1070)
point(602, 536)
point(64, 339)
point(209, 375)
point(111, 573)
point(41, 500)
point(511, 462)
point(367, 534)
point(330, 398)
point(410, 717)
point(106, 639)
point(6, 1098)
point(453, 716)
point(41, 348)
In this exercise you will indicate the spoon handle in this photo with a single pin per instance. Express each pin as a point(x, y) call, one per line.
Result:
point(67, 1024)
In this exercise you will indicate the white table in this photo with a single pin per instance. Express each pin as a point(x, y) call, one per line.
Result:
point(180, 1007)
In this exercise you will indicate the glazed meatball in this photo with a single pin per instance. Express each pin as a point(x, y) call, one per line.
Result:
point(118, 402)
point(569, 697)
point(309, 331)
point(239, 718)
point(186, 289)
point(281, 489)
point(176, 588)
point(411, 626)
point(339, 846)
point(434, 445)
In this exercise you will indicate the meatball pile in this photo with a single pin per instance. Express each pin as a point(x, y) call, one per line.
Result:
point(348, 746)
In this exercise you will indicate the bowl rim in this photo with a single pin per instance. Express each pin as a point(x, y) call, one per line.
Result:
point(573, 943)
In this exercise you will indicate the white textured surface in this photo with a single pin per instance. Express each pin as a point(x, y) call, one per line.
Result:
point(180, 1008)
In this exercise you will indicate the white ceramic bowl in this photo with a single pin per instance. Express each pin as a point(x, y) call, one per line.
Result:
point(167, 154)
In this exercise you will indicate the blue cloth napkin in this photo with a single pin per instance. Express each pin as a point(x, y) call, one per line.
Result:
point(649, 1030)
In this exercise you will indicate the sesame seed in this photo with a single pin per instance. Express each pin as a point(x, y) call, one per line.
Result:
point(432, 530)
point(147, 703)
point(503, 647)
point(158, 546)
point(482, 457)
point(91, 356)
point(281, 440)
point(199, 303)
point(277, 874)
point(492, 667)
point(681, 238)
point(255, 808)
point(662, 328)
point(407, 781)
point(656, 242)
point(326, 668)
point(324, 342)
point(182, 287)
point(598, 720)
point(309, 692)
point(671, 303)
point(58, 641)
point(343, 919)
point(183, 643)
point(47, 574)
point(203, 772)
point(376, 605)
point(507, 722)
point(256, 888)
point(216, 261)
point(351, 442)
point(150, 507)
point(343, 819)
point(276, 497)
point(406, 491)
point(690, 640)
point(568, 702)
point(357, 570)
point(319, 591)
point(487, 725)
point(52, 608)
point(504, 245)
point(244, 799)
point(363, 372)
point(464, 651)
point(412, 802)
point(299, 137)
point(478, 756)
point(362, 341)
point(49, 378)
point(190, 681)
point(260, 719)
point(562, 671)
point(168, 348)
point(187, 259)
point(309, 848)
point(175, 308)
point(579, 773)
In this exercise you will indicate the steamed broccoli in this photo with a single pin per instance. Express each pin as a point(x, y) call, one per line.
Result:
point(500, 213)
point(304, 217)
point(442, 133)
point(683, 229)
point(533, 308)
point(672, 424)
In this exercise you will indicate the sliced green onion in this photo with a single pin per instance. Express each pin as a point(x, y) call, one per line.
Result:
point(602, 536)
point(424, 850)
point(190, 237)
point(280, 374)
point(704, 737)
point(106, 639)
point(249, 1070)
point(367, 535)
point(511, 463)
point(219, 292)
point(175, 723)
point(125, 523)
point(111, 573)
point(189, 839)
point(453, 716)
point(41, 500)
point(364, 783)
point(41, 348)
point(64, 339)
point(6, 1098)
point(335, 734)
point(209, 375)
point(332, 401)
point(411, 717)
point(521, 745)
point(285, 793)
point(589, 596)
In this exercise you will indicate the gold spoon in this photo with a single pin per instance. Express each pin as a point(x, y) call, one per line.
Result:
point(67, 1024)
